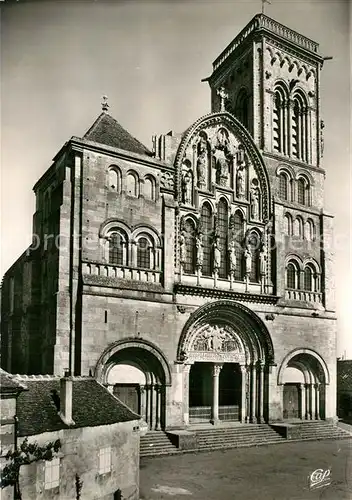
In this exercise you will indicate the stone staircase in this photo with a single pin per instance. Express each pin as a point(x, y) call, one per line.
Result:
point(156, 443)
point(317, 430)
point(239, 436)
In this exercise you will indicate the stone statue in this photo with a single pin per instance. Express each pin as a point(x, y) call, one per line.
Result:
point(217, 256)
point(322, 126)
point(262, 260)
point(222, 154)
point(202, 163)
point(241, 182)
point(248, 260)
point(200, 252)
point(255, 204)
point(187, 188)
point(232, 257)
point(182, 243)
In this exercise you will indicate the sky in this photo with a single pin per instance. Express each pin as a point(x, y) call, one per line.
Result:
point(59, 58)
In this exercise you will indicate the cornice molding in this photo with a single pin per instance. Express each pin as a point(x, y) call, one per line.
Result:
point(218, 293)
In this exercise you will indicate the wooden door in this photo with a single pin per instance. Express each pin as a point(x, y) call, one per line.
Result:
point(291, 401)
point(128, 394)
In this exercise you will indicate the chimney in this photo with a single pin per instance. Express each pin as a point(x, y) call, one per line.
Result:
point(66, 388)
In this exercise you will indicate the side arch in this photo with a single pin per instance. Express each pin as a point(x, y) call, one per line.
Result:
point(302, 352)
point(104, 364)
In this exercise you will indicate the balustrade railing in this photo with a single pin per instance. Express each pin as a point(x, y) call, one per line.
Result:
point(122, 272)
point(303, 295)
point(262, 21)
point(229, 413)
point(199, 414)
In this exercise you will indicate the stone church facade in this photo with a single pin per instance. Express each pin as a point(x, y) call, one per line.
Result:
point(195, 280)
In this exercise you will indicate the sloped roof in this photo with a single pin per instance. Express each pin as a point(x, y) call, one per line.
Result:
point(106, 130)
point(8, 384)
point(92, 405)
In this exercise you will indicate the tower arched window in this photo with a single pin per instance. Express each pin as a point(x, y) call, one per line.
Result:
point(308, 279)
point(115, 179)
point(280, 120)
point(242, 108)
point(190, 249)
point(284, 186)
point(118, 248)
point(144, 249)
point(254, 245)
point(298, 227)
point(132, 184)
point(223, 226)
point(299, 127)
point(303, 191)
point(292, 276)
point(238, 236)
point(207, 226)
point(149, 188)
point(310, 230)
point(288, 224)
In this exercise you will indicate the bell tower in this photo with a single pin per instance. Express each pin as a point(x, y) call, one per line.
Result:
point(271, 76)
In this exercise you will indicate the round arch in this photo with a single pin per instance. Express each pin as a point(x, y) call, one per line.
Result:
point(231, 123)
point(143, 351)
point(304, 358)
point(244, 323)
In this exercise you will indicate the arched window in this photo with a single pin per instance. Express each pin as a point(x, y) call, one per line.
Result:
point(310, 230)
point(117, 248)
point(238, 236)
point(190, 257)
point(292, 276)
point(223, 226)
point(284, 183)
point(288, 224)
point(303, 191)
point(149, 188)
point(144, 252)
point(254, 245)
point(132, 185)
point(207, 225)
point(242, 108)
point(279, 120)
point(115, 179)
point(298, 227)
point(299, 127)
point(308, 279)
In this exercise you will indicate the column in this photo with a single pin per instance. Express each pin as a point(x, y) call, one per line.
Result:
point(152, 406)
point(215, 409)
point(243, 393)
point(157, 407)
point(253, 394)
point(317, 401)
point(142, 400)
point(147, 404)
point(261, 391)
point(309, 401)
point(186, 370)
point(303, 401)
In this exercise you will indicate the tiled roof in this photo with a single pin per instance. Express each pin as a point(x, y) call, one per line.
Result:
point(92, 405)
point(106, 130)
point(8, 384)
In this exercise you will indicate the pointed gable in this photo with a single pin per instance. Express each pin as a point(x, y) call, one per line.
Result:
point(106, 130)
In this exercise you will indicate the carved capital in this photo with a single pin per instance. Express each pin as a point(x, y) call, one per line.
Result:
point(217, 369)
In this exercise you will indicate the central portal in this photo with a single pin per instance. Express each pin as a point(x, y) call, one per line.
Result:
point(215, 392)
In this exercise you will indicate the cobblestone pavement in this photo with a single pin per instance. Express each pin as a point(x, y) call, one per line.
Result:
point(276, 472)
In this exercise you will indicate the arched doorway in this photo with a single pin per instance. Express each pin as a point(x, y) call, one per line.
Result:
point(227, 355)
point(303, 376)
point(137, 373)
